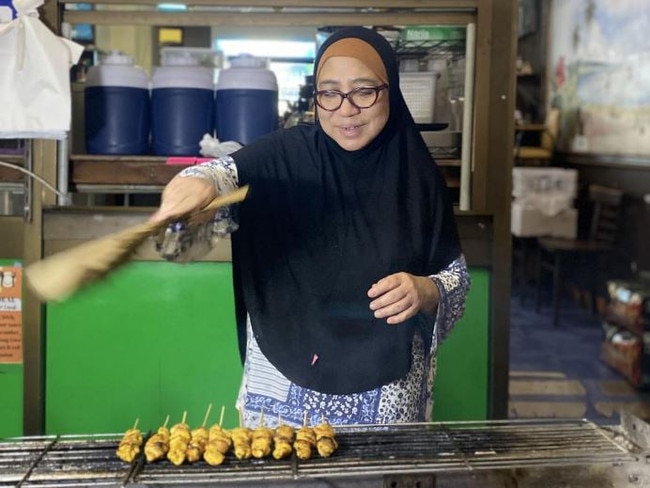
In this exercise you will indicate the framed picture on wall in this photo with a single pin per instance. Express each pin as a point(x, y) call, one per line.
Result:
point(599, 76)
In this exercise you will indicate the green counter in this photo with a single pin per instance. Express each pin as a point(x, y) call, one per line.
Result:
point(158, 339)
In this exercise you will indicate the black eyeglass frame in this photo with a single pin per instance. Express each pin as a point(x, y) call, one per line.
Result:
point(377, 89)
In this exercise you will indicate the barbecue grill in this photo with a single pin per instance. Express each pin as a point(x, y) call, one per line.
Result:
point(512, 453)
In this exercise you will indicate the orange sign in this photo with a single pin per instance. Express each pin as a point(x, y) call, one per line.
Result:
point(11, 315)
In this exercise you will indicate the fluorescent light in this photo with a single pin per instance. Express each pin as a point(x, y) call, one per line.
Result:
point(172, 7)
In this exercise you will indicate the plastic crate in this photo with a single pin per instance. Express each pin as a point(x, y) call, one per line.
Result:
point(419, 90)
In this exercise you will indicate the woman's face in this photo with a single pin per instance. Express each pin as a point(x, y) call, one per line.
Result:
point(351, 127)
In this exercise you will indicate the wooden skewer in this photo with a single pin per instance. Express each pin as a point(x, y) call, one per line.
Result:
point(207, 414)
point(223, 410)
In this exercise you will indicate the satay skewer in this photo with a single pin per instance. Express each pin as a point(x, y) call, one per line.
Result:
point(241, 440)
point(180, 436)
point(130, 444)
point(261, 439)
point(305, 441)
point(157, 446)
point(199, 440)
point(219, 443)
point(325, 441)
point(282, 440)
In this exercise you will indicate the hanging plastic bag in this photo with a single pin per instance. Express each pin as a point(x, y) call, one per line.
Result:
point(35, 100)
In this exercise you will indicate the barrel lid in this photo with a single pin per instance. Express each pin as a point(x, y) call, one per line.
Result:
point(183, 76)
point(181, 59)
point(117, 69)
point(247, 61)
point(249, 73)
point(118, 58)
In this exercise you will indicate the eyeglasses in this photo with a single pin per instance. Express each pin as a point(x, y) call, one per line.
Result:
point(362, 97)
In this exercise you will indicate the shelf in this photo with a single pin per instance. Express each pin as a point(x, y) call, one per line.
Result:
point(9, 175)
point(449, 163)
point(135, 171)
point(148, 16)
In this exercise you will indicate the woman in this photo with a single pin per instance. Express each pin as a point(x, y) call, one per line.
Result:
point(347, 251)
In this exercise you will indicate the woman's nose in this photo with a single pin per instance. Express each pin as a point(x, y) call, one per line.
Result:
point(347, 108)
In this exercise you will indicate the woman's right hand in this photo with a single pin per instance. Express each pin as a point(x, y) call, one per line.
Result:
point(182, 196)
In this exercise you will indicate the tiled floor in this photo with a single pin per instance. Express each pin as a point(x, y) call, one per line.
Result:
point(557, 371)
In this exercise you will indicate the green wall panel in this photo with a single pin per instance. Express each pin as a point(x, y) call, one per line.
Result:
point(460, 390)
point(11, 400)
point(153, 339)
point(158, 338)
point(11, 390)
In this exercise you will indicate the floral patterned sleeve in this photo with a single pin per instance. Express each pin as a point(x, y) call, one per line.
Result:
point(453, 283)
point(180, 243)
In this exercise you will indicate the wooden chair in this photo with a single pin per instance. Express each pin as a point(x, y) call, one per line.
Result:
point(542, 154)
point(554, 253)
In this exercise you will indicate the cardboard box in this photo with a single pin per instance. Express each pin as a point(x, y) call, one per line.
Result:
point(536, 180)
point(628, 354)
point(529, 221)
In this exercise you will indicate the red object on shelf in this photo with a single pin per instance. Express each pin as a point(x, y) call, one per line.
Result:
point(187, 161)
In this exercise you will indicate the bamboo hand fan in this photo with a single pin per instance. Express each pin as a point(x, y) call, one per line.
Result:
point(60, 275)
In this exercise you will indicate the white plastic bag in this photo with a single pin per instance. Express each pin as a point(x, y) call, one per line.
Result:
point(35, 100)
point(212, 147)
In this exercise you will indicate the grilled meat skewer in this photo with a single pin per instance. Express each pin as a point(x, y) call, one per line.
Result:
point(304, 443)
point(157, 446)
point(219, 442)
point(130, 444)
point(180, 437)
point(241, 440)
point(261, 442)
point(283, 441)
point(325, 442)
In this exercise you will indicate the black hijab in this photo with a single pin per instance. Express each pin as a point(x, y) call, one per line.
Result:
point(321, 225)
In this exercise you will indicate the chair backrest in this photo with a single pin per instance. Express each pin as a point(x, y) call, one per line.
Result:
point(606, 206)
point(552, 123)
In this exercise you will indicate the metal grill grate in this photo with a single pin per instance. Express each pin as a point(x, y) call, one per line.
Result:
point(367, 452)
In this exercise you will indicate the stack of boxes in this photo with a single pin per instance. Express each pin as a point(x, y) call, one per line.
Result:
point(543, 200)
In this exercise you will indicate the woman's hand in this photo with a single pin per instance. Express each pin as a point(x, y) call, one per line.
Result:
point(400, 296)
point(184, 195)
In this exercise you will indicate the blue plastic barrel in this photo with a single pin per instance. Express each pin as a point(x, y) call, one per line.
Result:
point(182, 107)
point(246, 100)
point(116, 107)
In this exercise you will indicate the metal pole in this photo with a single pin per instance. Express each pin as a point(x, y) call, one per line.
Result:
point(468, 121)
point(63, 170)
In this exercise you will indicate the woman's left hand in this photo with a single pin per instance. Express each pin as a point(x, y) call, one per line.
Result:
point(398, 297)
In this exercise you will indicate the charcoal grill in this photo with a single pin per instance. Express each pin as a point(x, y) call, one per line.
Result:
point(520, 453)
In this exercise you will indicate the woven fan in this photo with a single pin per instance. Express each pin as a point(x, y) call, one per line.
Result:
point(60, 275)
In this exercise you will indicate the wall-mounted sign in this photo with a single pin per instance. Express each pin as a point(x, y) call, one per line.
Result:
point(11, 315)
